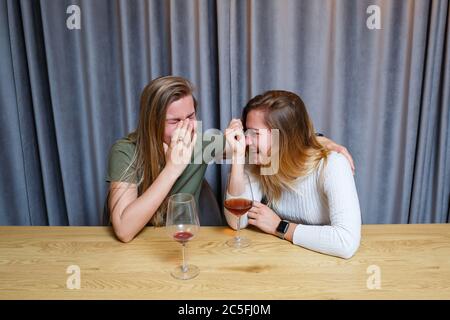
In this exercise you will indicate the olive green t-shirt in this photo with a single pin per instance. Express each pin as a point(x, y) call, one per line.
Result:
point(190, 181)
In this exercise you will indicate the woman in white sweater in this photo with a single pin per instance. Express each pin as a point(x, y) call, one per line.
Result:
point(311, 198)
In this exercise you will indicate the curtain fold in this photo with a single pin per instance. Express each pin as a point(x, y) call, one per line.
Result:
point(67, 95)
point(431, 186)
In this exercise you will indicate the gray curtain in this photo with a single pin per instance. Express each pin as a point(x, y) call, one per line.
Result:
point(67, 95)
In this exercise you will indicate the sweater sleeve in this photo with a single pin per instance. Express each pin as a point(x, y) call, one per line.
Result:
point(342, 237)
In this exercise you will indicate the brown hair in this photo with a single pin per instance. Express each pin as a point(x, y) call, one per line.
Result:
point(149, 158)
point(299, 151)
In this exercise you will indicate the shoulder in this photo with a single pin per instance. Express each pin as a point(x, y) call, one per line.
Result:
point(123, 147)
point(123, 144)
point(336, 161)
point(335, 166)
point(336, 171)
point(120, 160)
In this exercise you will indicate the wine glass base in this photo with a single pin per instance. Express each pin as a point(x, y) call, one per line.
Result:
point(190, 272)
point(238, 242)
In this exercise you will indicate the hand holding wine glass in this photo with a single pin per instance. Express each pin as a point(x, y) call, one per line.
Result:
point(182, 225)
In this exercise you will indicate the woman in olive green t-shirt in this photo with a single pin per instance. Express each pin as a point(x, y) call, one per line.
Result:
point(157, 159)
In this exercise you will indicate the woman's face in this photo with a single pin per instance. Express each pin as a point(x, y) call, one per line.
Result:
point(258, 135)
point(179, 110)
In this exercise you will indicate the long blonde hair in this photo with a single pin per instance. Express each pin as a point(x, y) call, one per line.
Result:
point(149, 158)
point(299, 151)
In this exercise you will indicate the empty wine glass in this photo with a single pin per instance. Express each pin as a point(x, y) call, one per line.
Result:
point(182, 225)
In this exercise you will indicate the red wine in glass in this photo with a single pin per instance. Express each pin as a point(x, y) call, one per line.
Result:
point(183, 236)
point(238, 200)
point(238, 206)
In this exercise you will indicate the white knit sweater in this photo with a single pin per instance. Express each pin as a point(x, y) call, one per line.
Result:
point(325, 205)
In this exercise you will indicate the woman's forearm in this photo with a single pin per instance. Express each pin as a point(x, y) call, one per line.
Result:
point(339, 241)
point(237, 184)
point(137, 214)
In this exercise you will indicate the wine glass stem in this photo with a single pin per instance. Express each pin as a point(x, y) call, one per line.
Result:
point(183, 267)
point(238, 229)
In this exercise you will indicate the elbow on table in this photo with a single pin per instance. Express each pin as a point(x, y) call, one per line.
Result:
point(348, 250)
point(347, 253)
point(123, 235)
point(125, 238)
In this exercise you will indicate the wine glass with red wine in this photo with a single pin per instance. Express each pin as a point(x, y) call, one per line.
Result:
point(182, 224)
point(238, 201)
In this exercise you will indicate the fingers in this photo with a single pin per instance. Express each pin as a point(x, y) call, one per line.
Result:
point(228, 132)
point(183, 129)
point(251, 214)
point(233, 134)
point(194, 139)
point(347, 154)
point(239, 134)
point(183, 132)
point(176, 133)
point(229, 137)
point(187, 138)
point(252, 217)
point(257, 204)
point(235, 124)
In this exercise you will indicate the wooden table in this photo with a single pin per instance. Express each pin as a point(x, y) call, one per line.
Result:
point(414, 261)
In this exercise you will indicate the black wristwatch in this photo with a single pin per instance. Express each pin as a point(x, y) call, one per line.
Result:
point(318, 134)
point(282, 228)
